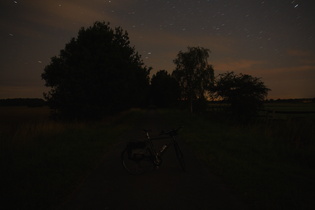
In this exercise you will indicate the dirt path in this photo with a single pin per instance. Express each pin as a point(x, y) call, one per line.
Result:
point(111, 187)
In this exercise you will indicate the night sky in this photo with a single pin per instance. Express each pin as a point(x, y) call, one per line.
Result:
point(271, 39)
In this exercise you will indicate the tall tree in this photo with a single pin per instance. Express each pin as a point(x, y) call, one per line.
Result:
point(164, 89)
point(194, 75)
point(243, 92)
point(97, 73)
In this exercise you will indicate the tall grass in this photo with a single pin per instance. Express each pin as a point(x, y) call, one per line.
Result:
point(42, 161)
point(271, 164)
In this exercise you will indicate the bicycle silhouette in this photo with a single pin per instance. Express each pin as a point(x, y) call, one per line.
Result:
point(141, 156)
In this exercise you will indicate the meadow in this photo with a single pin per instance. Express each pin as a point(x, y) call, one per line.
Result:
point(269, 163)
point(288, 111)
point(42, 161)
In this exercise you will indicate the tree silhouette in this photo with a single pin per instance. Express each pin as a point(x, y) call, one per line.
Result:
point(97, 73)
point(164, 89)
point(194, 75)
point(243, 92)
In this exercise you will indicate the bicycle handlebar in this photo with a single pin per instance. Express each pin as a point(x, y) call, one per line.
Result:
point(172, 132)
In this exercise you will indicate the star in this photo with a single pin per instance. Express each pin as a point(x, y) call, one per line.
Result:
point(253, 28)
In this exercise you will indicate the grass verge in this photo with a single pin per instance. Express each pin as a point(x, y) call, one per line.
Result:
point(270, 164)
point(43, 161)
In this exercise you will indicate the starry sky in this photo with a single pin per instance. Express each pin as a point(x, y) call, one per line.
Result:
point(272, 39)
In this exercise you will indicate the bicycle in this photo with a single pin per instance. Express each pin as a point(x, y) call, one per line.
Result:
point(141, 156)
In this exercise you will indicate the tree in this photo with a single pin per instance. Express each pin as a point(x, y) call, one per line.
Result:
point(97, 73)
point(243, 92)
point(164, 89)
point(194, 75)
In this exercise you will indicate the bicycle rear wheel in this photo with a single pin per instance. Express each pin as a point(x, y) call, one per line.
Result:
point(136, 164)
point(180, 156)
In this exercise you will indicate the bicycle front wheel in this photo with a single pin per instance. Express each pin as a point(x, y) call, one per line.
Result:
point(180, 156)
point(136, 164)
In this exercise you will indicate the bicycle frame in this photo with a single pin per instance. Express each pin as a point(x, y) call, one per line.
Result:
point(158, 154)
point(135, 163)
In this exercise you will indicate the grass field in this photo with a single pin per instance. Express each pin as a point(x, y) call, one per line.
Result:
point(269, 164)
point(289, 111)
point(281, 106)
point(42, 160)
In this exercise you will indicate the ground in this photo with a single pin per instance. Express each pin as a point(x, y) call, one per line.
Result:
point(109, 186)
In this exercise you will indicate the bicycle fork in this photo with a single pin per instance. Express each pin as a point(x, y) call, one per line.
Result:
point(158, 159)
point(164, 147)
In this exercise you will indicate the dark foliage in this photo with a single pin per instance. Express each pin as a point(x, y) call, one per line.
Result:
point(98, 73)
point(164, 90)
point(243, 92)
point(194, 75)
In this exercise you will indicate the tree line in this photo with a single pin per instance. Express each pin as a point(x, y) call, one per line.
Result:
point(98, 73)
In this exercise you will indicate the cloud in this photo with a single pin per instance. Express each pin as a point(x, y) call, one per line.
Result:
point(62, 16)
point(164, 46)
point(237, 65)
point(289, 81)
point(65, 14)
point(299, 53)
point(294, 71)
point(181, 40)
point(304, 57)
point(19, 91)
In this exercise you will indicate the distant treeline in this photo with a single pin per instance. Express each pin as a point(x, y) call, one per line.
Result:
point(37, 102)
point(30, 102)
point(295, 100)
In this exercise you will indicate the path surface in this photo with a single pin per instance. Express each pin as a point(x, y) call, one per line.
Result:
point(111, 187)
